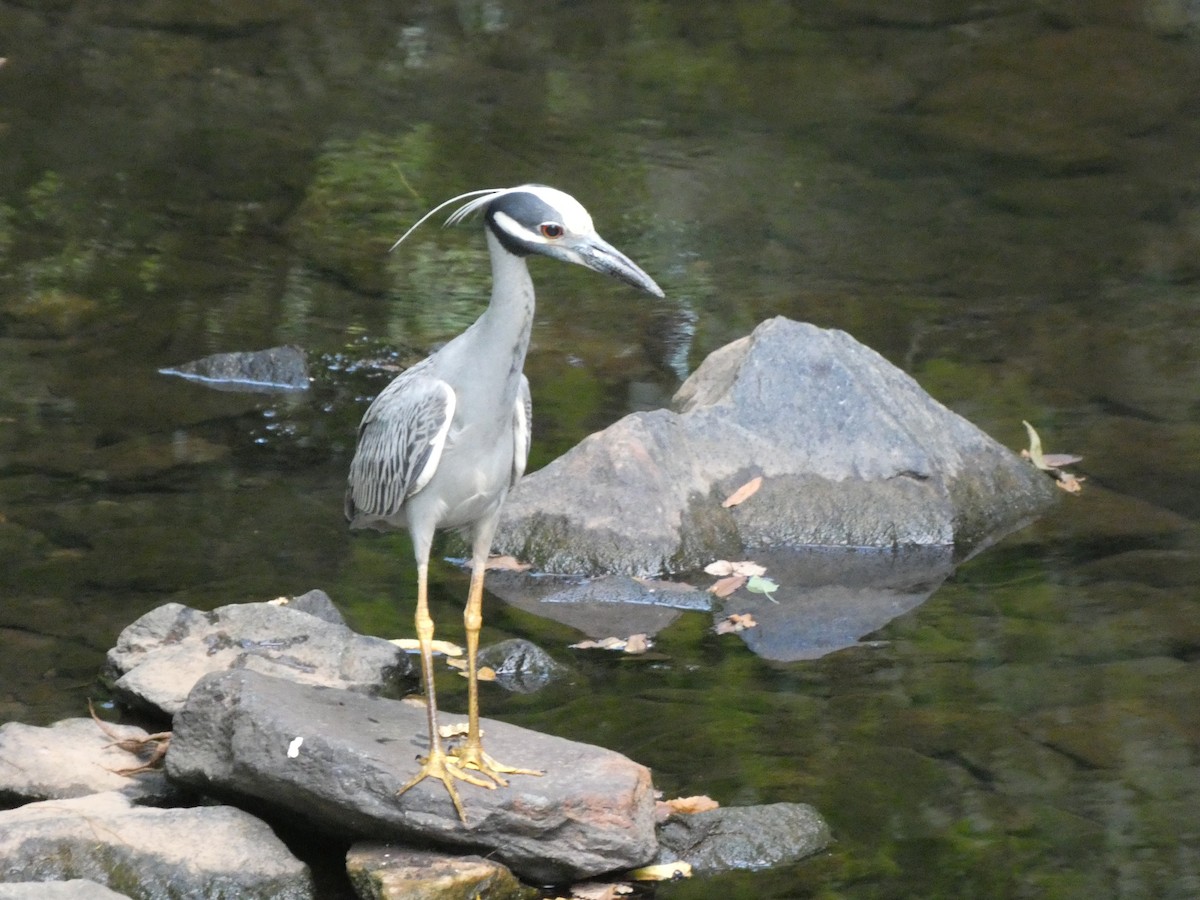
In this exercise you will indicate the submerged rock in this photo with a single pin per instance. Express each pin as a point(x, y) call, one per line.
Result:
point(521, 666)
point(210, 851)
point(852, 451)
point(254, 371)
point(600, 607)
point(158, 658)
point(743, 837)
point(336, 759)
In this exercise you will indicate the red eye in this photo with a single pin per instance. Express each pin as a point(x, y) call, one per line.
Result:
point(551, 230)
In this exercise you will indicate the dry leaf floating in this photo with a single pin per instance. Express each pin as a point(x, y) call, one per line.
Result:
point(1051, 463)
point(736, 622)
point(760, 585)
point(634, 644)
point(727, 585)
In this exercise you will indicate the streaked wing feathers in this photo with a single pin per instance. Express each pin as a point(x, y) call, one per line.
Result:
point(400, 443)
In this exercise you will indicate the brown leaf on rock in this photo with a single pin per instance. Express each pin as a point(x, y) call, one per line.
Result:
point(736, 622)
point(453, 730)
point(723, 567)
point(744, 493)
point(412, 645)
point(506, 564)
point(727, 585)
point(687, 806)
point(156, 745)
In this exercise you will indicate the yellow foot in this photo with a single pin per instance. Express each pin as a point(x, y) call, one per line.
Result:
point(474, 758)
point(438, 765)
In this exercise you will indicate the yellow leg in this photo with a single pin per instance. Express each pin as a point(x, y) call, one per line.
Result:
point(471, 754)
point(437, 764)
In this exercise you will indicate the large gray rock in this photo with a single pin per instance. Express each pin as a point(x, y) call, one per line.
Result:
point(853, 453)
point(210, 851)
point(337, 758)
point(74, 758)
point(743, 837)
point(159, 657)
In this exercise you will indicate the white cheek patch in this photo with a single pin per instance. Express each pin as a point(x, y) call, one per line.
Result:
point(518, 231)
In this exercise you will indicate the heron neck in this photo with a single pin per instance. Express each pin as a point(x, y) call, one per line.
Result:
point(509, 316)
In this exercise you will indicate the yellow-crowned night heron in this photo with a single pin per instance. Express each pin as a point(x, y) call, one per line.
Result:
point(443, 443)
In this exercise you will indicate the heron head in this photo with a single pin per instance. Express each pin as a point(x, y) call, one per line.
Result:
point(534, 218)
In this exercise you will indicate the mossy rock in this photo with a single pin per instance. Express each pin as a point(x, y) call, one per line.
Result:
point(49, 313)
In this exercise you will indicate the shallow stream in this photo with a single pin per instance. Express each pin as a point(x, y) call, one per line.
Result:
point(1003, 199)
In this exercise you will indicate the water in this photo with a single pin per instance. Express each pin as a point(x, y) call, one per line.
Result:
point(1002, 202)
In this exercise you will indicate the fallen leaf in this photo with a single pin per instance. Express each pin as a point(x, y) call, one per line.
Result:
point(727, 585)
point(453, 730)
point(483, 673)
point(608, 643)
point(156, 744)
point(663, 872)
point(1068, 482)
point(1034, 453)
point(689, 805)
point(597, 890)
point(736, 622)
point(1058, 460)
point(765, 586)
point(506, 564)
point(719, 568)
point(1051, 462)
point(280, 601)
point(744, 493)
point(412, 645)
point(637, 643)
point(723, 567)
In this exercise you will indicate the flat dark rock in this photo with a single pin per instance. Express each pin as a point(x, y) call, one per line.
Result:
point(337, 758)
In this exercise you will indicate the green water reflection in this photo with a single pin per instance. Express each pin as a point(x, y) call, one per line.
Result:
point(1002, 201)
